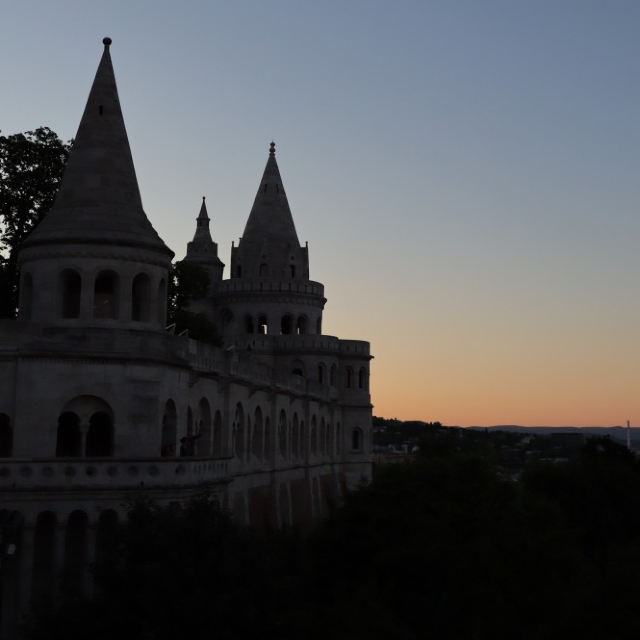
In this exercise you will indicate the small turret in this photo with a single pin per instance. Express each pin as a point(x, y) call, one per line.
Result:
point(203, 250)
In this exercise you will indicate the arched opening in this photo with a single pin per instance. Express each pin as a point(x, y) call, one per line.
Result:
point(162, 303)
point(332, 375)
point(297, 368)
point(105, 296)
point(26, 296)
point(169, 429)
point(76, 573)
point(348, 377)
point(319, 326)
point(100, 435)
point(313, 436)
point(356, 440)
point(6, 436)
point(362, 378)
point(141, 298)
point(69, 440)
point(204, 427)
point(238, 271)
point(239, 432)
point(323, 437)
point(286, 325)
point(258, 434)
point(292, 270)
point(295, 437)
point(338, 439)
point(301, 325)
point(248, 324)
point(217, 435)
point(264, 270)
point(227, 317)
point(70, 286)
point(107, 541)
point(282, 434)
point(332, 440)
point(44, 569)
point(321, 373)
point(262, 325)
point(303, 440)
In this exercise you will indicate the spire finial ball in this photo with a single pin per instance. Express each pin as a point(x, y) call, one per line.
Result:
point(106, 41)
point(272, 149)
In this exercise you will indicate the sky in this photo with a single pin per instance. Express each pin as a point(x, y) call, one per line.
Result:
point(465, 172)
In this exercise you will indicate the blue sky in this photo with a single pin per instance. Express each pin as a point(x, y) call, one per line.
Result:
point(466, 173)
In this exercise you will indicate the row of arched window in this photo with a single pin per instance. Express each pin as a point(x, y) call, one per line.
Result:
point(289, 324)
point(67, 567)
point(112, 297)
point(351, 381)
point(250, 435)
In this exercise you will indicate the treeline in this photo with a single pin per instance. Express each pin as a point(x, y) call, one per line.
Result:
point(439, 547)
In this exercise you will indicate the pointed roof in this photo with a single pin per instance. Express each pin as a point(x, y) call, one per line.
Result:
point(99, 199)
point(202, 245)
point(270, 219)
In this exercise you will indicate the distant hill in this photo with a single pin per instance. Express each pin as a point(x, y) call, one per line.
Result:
point(616, 433)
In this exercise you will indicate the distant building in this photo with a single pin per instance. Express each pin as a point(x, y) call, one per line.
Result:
point(93, 388)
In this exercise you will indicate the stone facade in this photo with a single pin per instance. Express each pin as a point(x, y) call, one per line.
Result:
point(94, 387)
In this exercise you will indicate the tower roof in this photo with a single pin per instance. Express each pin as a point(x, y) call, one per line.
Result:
point(270, 221)
point(99, 199)
point(202, 247)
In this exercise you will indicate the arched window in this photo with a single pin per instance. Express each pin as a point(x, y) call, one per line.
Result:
point(141, 298)
point(105, 295)
point(301, 325)
point(238, 271)
point(323, 436)
point(319, 326)
point(162, 302)
point(217, 435)
point(44, 565)
point(69, 440)
point(70, 286)
point(264, 270)
point(262, 325)
point(295, 437)
point(292, 270)
point(313, 436)
point(338, 439)
point(321, 372)
point(282, 434)
point(204, 428)
point(100, 436)
point(356, 440)
point(268, 446)
point(6, 436)
point(76, 569)
point(286, 325)
point(248, 324)
point(239, 432)
point(348, 377)
point(362, 378)
point(169, 429)
point(26, 296)
point(257, 443)
point(332, 375)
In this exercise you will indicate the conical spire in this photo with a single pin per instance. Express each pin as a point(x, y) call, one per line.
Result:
point(99, 200)
point(269, 247)
point(202, 234)
point(270, 215)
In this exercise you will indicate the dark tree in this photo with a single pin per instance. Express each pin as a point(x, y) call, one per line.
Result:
point(31, 168)
point(188, 282)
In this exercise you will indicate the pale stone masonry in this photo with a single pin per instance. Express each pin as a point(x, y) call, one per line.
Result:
point(96, 392)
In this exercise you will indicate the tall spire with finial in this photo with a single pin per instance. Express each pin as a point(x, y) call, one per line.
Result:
point(202, 249)
point(270, 236)
point(99, 199)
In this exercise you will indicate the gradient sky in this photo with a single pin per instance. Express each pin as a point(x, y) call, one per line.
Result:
point(465, 171)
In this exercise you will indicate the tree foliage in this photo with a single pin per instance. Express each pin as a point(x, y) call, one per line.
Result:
point(189, 282)
point(31, 168)
point(440, 547)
